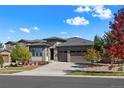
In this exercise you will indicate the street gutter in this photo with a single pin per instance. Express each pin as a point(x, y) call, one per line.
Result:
point(87, 76)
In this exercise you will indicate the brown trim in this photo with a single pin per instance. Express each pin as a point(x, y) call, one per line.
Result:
point(4, 55)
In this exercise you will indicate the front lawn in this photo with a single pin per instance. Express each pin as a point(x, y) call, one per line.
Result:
point(11, 70)
point(8, 72)
point(96, 73)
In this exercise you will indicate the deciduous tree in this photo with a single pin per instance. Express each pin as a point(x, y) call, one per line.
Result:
point(20, 53)
point(116, 49)
point(92, 55)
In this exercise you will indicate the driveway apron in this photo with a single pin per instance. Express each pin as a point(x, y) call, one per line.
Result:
point(51, 69)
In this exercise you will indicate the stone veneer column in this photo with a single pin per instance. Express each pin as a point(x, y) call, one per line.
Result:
point(45, 56)
point(48, 52)
point(68, 56)
point(55, 54)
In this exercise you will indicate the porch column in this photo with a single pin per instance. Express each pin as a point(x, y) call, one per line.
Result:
point(48, 53)
point(68, 56)
point(55, 54)
point(45, 56)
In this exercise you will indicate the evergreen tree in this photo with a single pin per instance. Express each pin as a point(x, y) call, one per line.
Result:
point(99, 44)
point(1, 46)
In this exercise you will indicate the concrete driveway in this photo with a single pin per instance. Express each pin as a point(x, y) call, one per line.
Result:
point(51, 69)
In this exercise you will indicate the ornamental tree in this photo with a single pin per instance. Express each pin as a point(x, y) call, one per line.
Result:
point(92, 55)
point(116, 49)
point(20, 53)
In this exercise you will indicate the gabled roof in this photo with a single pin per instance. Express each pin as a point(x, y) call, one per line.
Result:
point(5, 50)
point(22, 40)
point(38, 44)
point(10, 42)
point(55, 38)
point(76, 41)
point(32, 41)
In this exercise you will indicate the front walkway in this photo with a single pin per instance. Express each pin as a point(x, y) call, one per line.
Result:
point(51, 69)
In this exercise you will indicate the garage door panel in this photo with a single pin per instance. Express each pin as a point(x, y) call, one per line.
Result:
point(77, 56)
point(77, 59)
point(63, 57)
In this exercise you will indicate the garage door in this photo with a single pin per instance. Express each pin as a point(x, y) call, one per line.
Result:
point(77, 56)
point(62, 56)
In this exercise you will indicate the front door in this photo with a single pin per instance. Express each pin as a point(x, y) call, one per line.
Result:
point(52, 54)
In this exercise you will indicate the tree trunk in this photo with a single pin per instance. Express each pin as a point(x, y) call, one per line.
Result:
point(111, 66)
point(1, 65)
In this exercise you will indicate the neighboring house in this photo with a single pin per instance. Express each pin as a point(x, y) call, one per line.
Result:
point(57, 49)
point(6, 56)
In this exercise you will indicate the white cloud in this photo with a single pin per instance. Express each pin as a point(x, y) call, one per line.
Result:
point(35, 28)
point(28, 30)
point(77, 21)
point(63, 32)
point(82, 9)
point(97, 11)
point(78, 36)
point(25, 30)
point(12, 31)
point(101, 12)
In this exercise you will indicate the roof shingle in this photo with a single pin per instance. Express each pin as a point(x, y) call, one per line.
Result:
point(76, 41)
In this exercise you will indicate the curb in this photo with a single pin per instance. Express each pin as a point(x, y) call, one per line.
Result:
point(84, 76)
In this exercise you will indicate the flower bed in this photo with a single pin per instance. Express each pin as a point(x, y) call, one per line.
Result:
point(36, 63)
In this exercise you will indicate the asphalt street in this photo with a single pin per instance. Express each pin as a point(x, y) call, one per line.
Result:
point(59, 82)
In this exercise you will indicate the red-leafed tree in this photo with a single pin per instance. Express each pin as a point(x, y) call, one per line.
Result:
point(116, 49)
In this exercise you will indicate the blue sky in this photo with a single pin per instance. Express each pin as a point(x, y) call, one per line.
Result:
point(37, 22)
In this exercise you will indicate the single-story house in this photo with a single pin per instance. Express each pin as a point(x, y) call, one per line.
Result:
point(55, 49)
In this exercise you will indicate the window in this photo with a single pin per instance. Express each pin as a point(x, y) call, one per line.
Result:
point(36, 51)
point(37, 54)
point(40, 54)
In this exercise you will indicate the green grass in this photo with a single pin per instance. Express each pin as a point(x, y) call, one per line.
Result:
point(97, 73)
point(11, 70)
point(23, 68)
point(8, 72)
